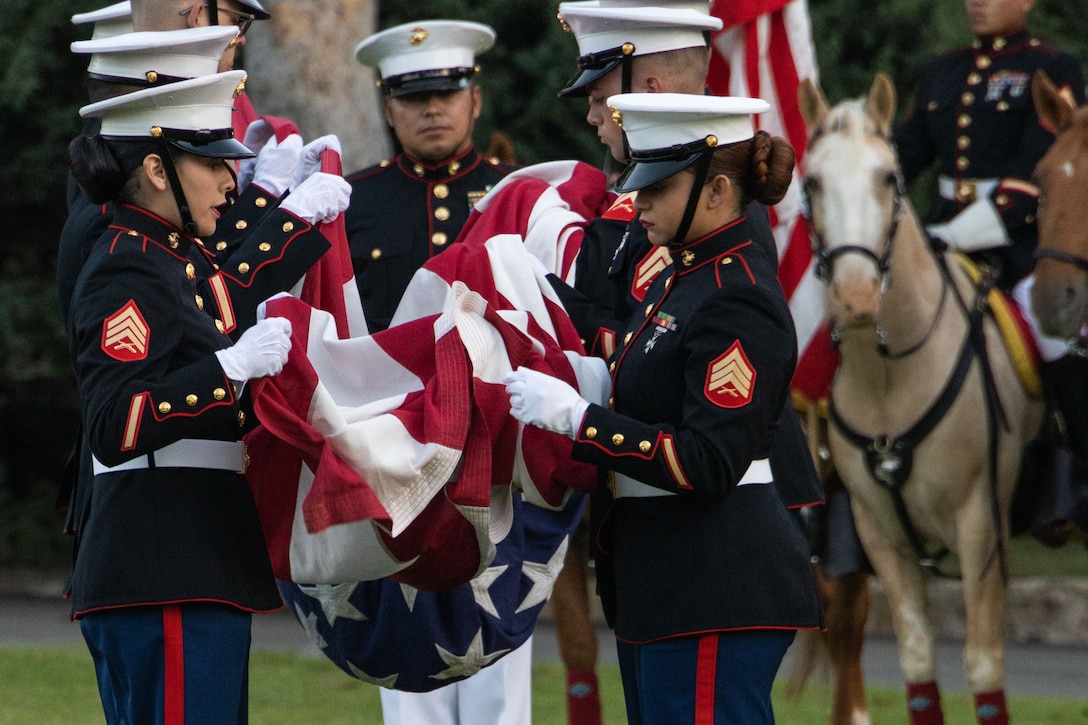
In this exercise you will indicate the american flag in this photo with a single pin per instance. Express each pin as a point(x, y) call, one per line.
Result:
point(765, 50)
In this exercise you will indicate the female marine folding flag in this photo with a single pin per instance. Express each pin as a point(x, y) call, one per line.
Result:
point(408, 445)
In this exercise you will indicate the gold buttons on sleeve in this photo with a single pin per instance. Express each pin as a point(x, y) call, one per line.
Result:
point(441, 191)
point(264, 246)
point(591, 432)
point(191, 400)
point(243, 267)
point(219, 393)
point(164, 408)
point(617, 440)
point(288, 226)
point(241, 224)
point(442, 213)
point(375, 254)
point(439, 238)
point(645, 446)
point(261, 202)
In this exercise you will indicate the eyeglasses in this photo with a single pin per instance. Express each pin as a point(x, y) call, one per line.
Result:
point(242, 20)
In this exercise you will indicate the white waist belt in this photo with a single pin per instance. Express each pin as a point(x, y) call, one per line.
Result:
point(759, 471)
point(947, 186)
point(186, 453)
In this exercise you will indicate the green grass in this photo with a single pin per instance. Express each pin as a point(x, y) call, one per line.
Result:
point(55, 685)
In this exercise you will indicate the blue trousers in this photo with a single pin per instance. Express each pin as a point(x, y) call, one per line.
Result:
point(722, 678)
point(171, 664)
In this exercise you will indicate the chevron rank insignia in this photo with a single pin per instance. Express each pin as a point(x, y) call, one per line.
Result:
point(730, 378)
point(647, 270)
point(125, 334)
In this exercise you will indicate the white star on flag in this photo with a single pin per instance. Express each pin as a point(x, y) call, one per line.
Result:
point(334, 601)
point(481, 587)
point(543, 577)
point(409, 596)
point(471, 662)
point(387, 682)
point(309, 626)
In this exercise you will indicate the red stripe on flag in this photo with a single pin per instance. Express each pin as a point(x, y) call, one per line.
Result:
point(738, 12)
point(786, 84)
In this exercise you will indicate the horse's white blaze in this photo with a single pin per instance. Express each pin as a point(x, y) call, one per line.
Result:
point(1067, 169)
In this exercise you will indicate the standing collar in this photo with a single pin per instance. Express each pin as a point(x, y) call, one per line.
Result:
point(441, 171)
point(731, 238)
point(1002, 43)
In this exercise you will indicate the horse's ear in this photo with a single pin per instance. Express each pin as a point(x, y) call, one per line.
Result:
point(813, 104)
point(1054, 109)
point(880, 105)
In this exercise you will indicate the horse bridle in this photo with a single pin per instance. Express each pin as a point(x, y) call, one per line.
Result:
point(1062, 256)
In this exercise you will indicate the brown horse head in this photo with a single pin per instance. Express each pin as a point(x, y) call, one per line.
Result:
point(1060, 292)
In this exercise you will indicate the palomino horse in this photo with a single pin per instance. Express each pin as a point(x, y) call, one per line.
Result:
point(1060, 293)
point(928, 416)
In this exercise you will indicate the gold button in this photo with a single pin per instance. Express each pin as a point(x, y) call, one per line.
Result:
point(983, 61)
point(219, 325)
point(441, 191)
point(264, 246)
point(617, 440)
point(439, 238)
point(627, 337)
point(243, 267)
point(974, 78)
point(375, 254)
point(220, 246)
point(418, 169)
point(1001, 200)
point(190, 271)
point(199, 302)
point(967, 98)
point(645, 446)
point(261, 202)
point(591, 432)
point(1002, 105)
point(442, 213)
point(962, 163)
point(668, 283)
point(288, 226)
point(190, 400)
point(1000, 43)
point(241, 418)
point(200, 242)
point(611, 400)
point(164, 408)
point(963, 121)
point(727, 260)
point(133, 233)
point(649, 307)
point(962, 142)
point(219, 393)
point(931, 106)
point(455, 166)
point(1029, 219)
point(384, 163)
point(612, 366)
point(241, 224)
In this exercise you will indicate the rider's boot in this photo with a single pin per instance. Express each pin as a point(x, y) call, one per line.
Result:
point(1065, 500)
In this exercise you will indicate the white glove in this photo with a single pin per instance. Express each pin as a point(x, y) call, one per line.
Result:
point(275, 167)
point(546, 402)
point(257, 135)
point(320, 198)
point(310, 162)
point(977, 227)
point(260, 351)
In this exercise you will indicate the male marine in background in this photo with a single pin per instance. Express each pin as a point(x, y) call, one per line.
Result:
point(409, 208)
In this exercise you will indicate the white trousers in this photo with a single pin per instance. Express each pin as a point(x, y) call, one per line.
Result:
point(499, 694)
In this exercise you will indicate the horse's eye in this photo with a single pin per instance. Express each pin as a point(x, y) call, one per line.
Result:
point(811, 185)
point(890, 179)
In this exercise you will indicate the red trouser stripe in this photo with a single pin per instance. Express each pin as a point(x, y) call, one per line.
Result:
point(705, 676)
point(174, 658)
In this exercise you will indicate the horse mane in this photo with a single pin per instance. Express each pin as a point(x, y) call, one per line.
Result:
point(850, 119)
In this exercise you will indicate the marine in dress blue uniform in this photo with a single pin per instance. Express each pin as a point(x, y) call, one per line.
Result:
point(407, 209)
point(700, 563)
point(170, 559)
point(973, 115)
